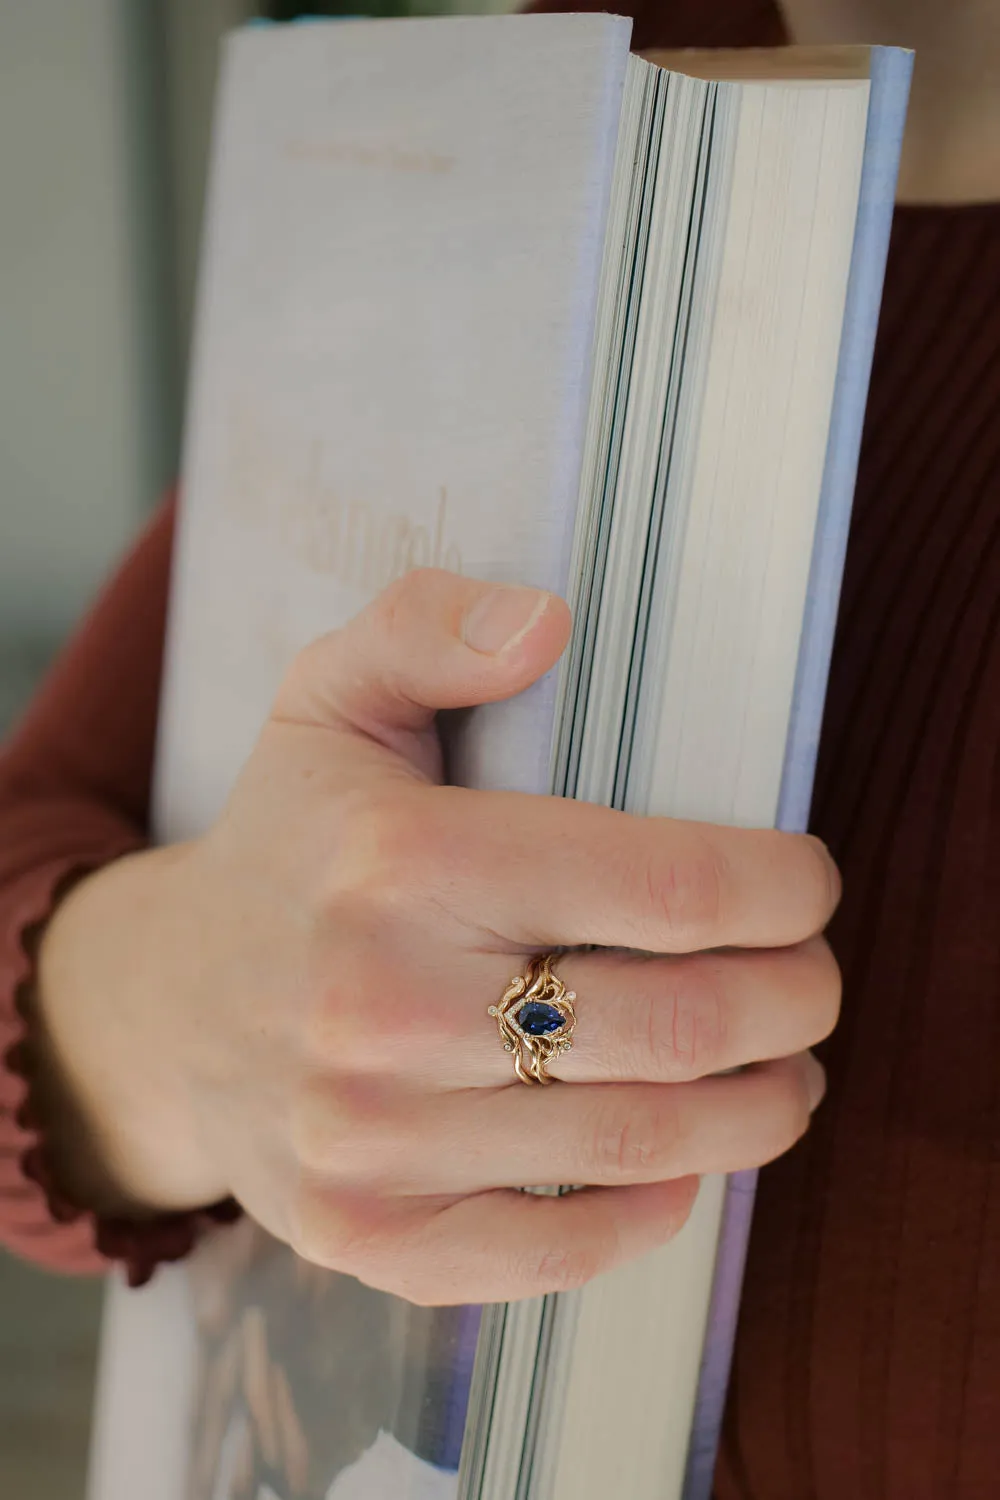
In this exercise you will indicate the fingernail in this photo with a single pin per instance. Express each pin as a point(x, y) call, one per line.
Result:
point(815, 1080)
point(499, 619)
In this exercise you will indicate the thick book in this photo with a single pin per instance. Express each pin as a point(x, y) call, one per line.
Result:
point(494, 295)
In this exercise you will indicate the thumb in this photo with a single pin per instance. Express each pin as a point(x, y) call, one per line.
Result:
point(432, 640)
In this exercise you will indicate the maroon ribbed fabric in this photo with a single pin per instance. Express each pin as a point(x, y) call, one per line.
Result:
point(868, 1358)
point(868, 1363)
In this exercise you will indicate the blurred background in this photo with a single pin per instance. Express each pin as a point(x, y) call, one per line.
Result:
point(105, 109)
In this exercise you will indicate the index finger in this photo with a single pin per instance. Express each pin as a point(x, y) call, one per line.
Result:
point(549, 872)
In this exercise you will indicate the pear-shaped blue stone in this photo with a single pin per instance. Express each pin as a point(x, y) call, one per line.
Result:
point(538, 1019)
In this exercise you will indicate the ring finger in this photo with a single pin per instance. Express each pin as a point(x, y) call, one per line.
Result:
point(663, 1019)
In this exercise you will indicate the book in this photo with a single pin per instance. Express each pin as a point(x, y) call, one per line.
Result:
point(493, 294)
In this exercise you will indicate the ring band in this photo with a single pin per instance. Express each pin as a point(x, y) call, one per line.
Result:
point(536, 1019)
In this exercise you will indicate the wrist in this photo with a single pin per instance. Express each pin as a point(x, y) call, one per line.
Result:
point(111, 1089)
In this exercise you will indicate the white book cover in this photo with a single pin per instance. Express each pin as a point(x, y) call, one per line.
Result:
point(453, 178)
point(392, 368)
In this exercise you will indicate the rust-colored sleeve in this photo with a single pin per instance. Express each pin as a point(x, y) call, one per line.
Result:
point(74, 794)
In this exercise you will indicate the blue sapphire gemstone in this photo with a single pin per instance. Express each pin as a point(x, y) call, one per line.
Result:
point(538, 1019)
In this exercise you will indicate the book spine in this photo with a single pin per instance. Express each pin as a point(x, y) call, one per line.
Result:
point(891, 70)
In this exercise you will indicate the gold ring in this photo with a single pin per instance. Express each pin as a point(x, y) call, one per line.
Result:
point(536, 1019)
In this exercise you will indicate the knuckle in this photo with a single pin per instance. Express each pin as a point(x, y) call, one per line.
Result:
point(341, 1132)
point(567, 1268)
point(637, 1144)
point(684, 892)
point(361, 1234)
point(438, 1281)
point(386, 845)
point(309, 665)
point(414, 600)
point(339, 1233)
point(342, 1013)
point(374, 1008)
point(377, 1025)
point(403, 600)
point(317, 1124)
point(683, 1032)
point(315, 1235)
point(399, 852)
point(390, 604)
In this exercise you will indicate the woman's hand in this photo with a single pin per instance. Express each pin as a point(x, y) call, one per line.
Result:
point(293, 1008)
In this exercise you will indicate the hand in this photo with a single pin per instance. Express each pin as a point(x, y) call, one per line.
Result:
point(293, 1008)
